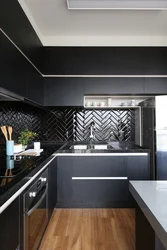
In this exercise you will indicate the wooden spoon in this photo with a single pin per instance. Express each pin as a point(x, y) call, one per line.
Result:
point(4, 179)
point(10, 174)
point(4, 131)
point(10, 132)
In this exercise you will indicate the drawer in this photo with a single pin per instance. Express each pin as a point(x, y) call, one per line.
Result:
point(99, 190)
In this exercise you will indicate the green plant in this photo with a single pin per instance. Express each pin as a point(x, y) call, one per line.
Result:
point(25, 136)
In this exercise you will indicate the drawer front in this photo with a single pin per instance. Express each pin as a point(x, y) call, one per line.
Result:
point(99, 190)
point(99, 166)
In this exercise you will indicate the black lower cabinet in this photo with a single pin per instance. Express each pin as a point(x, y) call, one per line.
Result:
point(98, 181)
point(52, 186)
point(138, 167)
point(146, 238)
point(9, 227)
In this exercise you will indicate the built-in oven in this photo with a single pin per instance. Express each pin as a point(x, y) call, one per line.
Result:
point(35, 207)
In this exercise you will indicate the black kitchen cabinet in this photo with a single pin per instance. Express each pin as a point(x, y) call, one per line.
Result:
point(138, 167)
point(17, 73)
point(63, 91)
point(16, 25)
point(114, 85)
point(52, 186)
point(74, 190)
point(34, 85)
point(105, 60)
point(95, 191)
point(64, 179)
point(13, 67)
point(156, 85)
point(9, 230)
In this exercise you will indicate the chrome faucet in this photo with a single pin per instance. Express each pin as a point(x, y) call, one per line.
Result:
point(92, 131)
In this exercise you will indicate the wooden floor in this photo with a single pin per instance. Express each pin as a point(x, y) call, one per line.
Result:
point(90, 229)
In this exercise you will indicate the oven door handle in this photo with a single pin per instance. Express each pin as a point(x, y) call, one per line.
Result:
point(38, 203)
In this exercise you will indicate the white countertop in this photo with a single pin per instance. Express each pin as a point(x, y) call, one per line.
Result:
point(151, 197)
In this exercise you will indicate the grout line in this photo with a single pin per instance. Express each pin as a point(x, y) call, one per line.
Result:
point(21, 52)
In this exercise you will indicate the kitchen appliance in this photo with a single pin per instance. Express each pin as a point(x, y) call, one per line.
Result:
point(154, 134)
point(35, 209)
point(161, 137)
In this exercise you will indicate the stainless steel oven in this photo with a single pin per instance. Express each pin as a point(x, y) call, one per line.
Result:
point(35, 202)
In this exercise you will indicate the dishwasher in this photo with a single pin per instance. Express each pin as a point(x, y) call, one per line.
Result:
point(35, 212)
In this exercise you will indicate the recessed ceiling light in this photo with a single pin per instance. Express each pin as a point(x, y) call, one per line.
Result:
point(117, 4)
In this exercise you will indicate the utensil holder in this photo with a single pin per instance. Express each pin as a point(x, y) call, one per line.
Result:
point(9, 147)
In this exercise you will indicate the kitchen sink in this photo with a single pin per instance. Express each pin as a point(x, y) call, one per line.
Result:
point(79, 146)
point(94, 145)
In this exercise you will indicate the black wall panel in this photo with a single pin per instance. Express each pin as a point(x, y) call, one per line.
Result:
point(16, 25)
point(105, 60)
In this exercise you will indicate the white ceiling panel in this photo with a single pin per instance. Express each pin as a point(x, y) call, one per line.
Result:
point(57, 25)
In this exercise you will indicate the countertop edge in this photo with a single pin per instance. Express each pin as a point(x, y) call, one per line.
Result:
point(158, 228)
point(15, 195)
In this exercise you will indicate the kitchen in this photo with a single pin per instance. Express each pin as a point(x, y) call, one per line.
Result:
point(98, 110)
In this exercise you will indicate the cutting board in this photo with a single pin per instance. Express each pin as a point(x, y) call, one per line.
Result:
point(31, 152)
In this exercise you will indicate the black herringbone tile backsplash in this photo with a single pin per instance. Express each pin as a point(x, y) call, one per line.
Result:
point(61, 124)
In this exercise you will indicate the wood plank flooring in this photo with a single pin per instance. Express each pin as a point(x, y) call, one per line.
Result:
point(90, 229)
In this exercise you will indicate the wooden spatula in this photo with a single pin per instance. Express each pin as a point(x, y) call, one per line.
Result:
point(4, 131)
point(10, 132)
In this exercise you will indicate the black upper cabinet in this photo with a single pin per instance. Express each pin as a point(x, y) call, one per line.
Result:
point(16, 25)
point(34, 85)
point(105, 60)
point(9, 230)
point(17, 74)
point(63, 92)
point(13, 67)
point(113, 85)
point(156, 85)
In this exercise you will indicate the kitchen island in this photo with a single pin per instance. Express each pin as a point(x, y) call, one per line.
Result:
point(151, 214)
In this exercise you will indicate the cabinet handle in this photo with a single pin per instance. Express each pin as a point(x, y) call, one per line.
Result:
point(99, 178)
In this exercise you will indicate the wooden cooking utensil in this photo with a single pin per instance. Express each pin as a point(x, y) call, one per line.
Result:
point(10, 132)
point(4, 131)
point(10, 174)
point(4, 179)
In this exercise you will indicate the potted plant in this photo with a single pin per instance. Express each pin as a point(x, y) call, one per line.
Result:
point(25, 136)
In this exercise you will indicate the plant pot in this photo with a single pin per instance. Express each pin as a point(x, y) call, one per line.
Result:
point(24, 147)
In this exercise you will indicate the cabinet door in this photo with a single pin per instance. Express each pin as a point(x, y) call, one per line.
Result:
point(156, 85)
point(63, 92)
point(138, 167)
point(100, 179)
point(13, 67)
point(34, 85)
point(52, 188)
point(113, 85)
point(9, 230)
point(64, 178)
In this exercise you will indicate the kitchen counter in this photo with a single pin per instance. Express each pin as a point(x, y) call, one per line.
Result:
point(27, 168)
point(114, 147)
point(23, 171)
point(151, 197)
